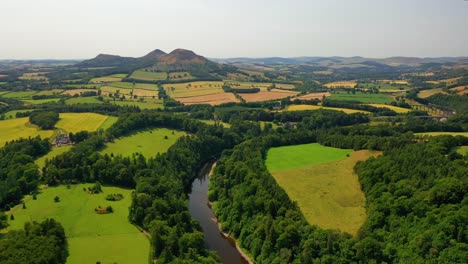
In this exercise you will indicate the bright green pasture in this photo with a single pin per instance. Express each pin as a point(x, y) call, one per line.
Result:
point(55, 151)
point(148, 142)
point(40, 101)
point(290, 157)
point(363, 98)
point(50, 92)
point(109, 122)
point(108, 238)
point(20, 95)
point(83, 100)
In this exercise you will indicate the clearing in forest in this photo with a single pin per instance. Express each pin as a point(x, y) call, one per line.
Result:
point(323, 183)
point(55, 151)
point(148, 142)
point(92, 237)
point(16, 128)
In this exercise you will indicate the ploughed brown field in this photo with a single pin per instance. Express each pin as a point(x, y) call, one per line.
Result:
point(78, 91)
point(212, 99)
point(461, 90)
point(312, 96)
point(274, 94)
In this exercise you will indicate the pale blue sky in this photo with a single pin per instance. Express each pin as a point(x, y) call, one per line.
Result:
point(37, 29)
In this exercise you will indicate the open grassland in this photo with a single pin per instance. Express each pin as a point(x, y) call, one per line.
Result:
point(109, 122)
point(212, 122)
point(40, 101)
point(463, 150)
point(363, 98)
point(211, 99)
point(434, 134)
point(92, 237)
point(83, 100)
point(397, 109)
point(50, 92)
point(108, 79)
point(180, 90)
point(4, 92)
point(313, 96)
point(12, 129)
point(343, 84)
point(148, 75)
point(147, 103)
point(326, 189)
point(274, 94)
point(148, 142)
point(78, 91)
point(428, 93)
point(76, 122)
point(12, 113)
point(20, 95)
point(317, 107)
point(40, 162)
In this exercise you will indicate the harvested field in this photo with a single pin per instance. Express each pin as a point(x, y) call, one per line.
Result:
point(16, 128)
point(106, 90)
point(428, 93)
point(144, 93)
point(274, 94)
point(36, 76)
point(78, 91)
point(435, 134)
point(3, 75)
point(76, 122)
point(399, 110)
point(343, 84)
point(211, 99)
point(461, 90)
point(312, 96)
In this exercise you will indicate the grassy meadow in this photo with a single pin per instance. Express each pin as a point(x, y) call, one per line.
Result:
point(12, 129)
point(363, 98)
point(323, 183)
point(83, 100)
point(108, 238)
point(463, 150)
point(12, 113)
point(316, 107)
point(148, 76)
point(147, 103)
point(190, 89)
point(148, 142)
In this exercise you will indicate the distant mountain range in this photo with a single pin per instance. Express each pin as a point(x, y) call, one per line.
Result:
point(391, 61)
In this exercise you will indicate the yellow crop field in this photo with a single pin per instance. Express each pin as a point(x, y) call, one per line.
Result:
point(434, 134)
point(12, 129)
point(391, 107)
point(428, 93)
point(342, 84)
point(180, 90)
point(76, 122)
point(316, 107)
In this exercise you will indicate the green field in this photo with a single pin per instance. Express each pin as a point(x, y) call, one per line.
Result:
point(40, 101)
point(54, 152)
point(92, 237)
point(12, 129)
point(150, 76)
point(110, 78)
point(12, 113)
point(148, 103)
point(148, 143)
point(363, 98)
point(322, 182)
point(83, 100)
point(20, 95)
point(463, 150)
point(50, 92)
point(212, 122)
point(291, 157)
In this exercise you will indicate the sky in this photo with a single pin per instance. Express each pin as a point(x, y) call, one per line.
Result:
point(80, 29)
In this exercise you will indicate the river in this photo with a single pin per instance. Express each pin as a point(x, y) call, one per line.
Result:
point(201, 211)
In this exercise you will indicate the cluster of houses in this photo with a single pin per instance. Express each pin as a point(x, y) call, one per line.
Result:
point(61, 140)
